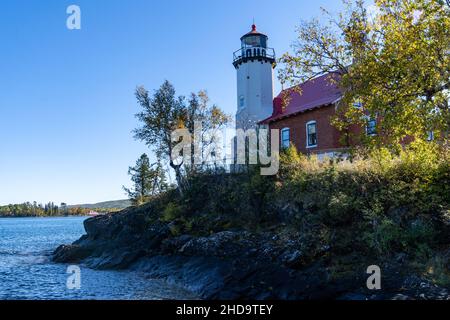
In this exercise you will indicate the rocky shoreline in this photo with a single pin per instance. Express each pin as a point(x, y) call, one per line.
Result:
point(236, 264)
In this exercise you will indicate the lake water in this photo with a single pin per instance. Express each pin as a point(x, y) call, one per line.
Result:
point(26, 270)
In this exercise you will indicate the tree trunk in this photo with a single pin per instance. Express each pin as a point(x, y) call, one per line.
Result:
point(179, 177)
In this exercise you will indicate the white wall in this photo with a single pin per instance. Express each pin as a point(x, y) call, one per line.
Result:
point(255, 83)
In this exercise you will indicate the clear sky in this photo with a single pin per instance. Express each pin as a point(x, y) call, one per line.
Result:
point(67, 96)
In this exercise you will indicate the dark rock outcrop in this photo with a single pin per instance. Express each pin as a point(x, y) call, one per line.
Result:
point(71, 253)
point(229, 264)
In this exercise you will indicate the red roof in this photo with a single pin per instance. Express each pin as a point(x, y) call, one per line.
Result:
point(315, 93)
point(253, 32)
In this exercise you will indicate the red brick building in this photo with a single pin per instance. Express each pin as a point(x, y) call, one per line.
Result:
point(305, 120)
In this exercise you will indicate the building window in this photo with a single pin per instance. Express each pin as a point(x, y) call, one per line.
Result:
point(430, 136)
point(371, 127)
point(311, 134)
point(358, 105)
point(241, 102)
point(285, 138)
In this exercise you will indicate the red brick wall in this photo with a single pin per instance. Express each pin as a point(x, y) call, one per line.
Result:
point(327, 135)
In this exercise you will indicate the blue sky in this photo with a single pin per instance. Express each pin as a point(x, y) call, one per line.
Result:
point(67, 96)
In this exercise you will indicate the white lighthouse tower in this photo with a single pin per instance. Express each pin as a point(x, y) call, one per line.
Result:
point(254, 63)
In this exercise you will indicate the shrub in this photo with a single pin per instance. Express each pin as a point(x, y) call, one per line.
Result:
point(171, 212)
point(383, 202)
point(376, 202)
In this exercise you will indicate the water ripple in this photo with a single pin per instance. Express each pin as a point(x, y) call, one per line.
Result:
point(27, 272)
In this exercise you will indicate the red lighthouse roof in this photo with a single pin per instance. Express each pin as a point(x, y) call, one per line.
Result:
point(253, 32)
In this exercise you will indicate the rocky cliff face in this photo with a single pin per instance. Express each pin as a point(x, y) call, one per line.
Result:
point(234, 264)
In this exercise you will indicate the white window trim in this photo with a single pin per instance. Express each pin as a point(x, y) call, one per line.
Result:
point(284, 130)
point(307, 135)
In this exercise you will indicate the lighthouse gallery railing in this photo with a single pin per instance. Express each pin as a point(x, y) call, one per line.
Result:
point(254, 52)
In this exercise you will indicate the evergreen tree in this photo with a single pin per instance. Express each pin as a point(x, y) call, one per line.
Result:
point(147, 180)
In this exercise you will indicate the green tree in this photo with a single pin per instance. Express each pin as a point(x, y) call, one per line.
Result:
point(147, 180)
point(210, 118)
point(393, 59)
point(164, 112)
point(160, 116)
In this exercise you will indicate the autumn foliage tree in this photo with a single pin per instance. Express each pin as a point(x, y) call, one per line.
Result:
point(393, 58)
point(164, 112)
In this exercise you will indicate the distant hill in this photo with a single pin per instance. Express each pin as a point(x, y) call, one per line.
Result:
point(116, 204)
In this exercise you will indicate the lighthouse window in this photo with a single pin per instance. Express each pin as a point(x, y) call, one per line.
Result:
point(311, 134)
point(241, 101)
point(253, 41)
